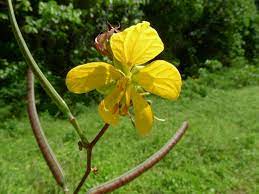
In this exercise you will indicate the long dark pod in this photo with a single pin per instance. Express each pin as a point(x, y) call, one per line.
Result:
point(141, 168)
point(40, 137)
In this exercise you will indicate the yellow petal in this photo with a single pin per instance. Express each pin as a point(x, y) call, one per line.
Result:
point(160, 78)
point(143, 113)
point(136, 45)
point(90, 76)
point(107, 116)
point(109, 107)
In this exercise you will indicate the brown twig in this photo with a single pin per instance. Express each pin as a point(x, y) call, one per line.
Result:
point(45, 149)
point(89, 156)
point(87, 172)
point(137, 171)
point(99, 135)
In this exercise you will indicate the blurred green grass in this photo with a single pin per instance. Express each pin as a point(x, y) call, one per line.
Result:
point(218, 154)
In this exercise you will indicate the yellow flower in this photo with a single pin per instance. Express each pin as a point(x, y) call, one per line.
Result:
point(129, 76)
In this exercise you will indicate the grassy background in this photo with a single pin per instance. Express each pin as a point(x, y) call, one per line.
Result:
point(218, 154)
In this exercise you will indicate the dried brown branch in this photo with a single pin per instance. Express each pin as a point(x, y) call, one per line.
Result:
point(45, 149)
point(87, 172)
point(99, 135)
point(89, 156)
point(146, 165)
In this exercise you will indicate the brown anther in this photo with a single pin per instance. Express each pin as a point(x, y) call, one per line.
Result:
point(115, 108)
point(124, 110)
point(120, 86)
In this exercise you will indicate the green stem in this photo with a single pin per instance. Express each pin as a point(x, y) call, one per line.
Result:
point(61, 104)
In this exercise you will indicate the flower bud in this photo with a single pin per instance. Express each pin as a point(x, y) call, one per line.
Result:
point(101, 42)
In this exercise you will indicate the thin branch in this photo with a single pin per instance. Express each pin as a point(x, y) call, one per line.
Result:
point(99, 135)
point(42, 141)
point(49, 89)
point(146, 165)
point(89, 156)
point(87, 172)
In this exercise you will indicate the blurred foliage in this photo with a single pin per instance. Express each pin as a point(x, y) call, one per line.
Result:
point(60, 35)
point(199, 35)
point(197, 30)
point(216, 77)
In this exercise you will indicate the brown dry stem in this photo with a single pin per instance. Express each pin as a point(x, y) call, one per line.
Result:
point(40, 137)
point(143, 167)
point(89, 150)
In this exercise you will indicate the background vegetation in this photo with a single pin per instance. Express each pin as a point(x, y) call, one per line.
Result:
point(218, 154)
point(215, 45)
point(197, 34)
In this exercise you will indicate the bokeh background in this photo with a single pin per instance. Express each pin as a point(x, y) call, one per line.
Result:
point(213, 43)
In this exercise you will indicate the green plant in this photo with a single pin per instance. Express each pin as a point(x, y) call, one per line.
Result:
point(197, 30)
point(219, 154)
point(58, 34)
point(95, 77)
